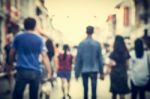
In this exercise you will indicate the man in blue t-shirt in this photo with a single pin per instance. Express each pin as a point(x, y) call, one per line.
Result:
point(26, 48)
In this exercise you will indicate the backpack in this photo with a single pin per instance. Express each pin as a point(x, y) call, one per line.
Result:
point(138, 70)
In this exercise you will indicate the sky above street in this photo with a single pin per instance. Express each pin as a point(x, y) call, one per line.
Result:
point(72, 16)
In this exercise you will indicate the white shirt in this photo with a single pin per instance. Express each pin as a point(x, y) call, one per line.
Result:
point(138, 69)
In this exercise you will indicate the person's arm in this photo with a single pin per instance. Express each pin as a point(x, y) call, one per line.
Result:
point(46, 63)
point(78, 63)
point(57, 63)
point(109, 66)
point(4, 54)
point(12, 55)
point(127, 64)
point(127, 60)
point(101, 63)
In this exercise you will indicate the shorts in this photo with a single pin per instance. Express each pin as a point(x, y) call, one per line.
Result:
point(64, 74)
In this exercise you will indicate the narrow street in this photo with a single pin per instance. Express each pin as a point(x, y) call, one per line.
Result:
point(76, 90)
point(119, 29)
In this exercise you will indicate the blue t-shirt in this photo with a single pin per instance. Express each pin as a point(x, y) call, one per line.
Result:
point(28, 47)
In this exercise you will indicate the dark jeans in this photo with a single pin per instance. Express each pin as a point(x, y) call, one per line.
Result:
point(24, 77)
point(93, 77)
point(137, 90)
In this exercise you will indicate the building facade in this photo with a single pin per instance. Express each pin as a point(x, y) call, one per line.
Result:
point(12, 14)
point(125, 18)
point(130, 18)
point(143, 14)
point(2, 22)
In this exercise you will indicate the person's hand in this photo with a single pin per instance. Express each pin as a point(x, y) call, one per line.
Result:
point(102, 76)
point(48, 76)
point(107, 72)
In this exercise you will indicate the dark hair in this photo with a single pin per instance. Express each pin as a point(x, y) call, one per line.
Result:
point(50, 48)
point(139, 48)
point(146, 38)
point(29, 23)
point(65, 48)
point(120, 48)
point(57, 45)
point(119, 44)
point(89, 30)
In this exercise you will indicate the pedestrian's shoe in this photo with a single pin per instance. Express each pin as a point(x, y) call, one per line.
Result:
point(69, 96)
point(63, 97)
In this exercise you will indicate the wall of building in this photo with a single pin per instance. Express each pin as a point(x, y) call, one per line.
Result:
point(27, 8)
point(142, 11)
point(2, 26)
point(125, 15)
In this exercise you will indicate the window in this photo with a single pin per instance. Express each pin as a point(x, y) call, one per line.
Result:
point(126, 16)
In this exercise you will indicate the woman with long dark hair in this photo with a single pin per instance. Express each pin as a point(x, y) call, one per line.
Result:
point(118, 66)
point(138, 70)
point(64, 69)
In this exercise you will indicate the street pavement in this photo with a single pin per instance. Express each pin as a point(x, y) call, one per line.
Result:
point(76, 90)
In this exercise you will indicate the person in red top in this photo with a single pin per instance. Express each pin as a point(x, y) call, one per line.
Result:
point(64, 68)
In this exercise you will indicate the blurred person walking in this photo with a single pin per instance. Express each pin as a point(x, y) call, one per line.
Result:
point(7, 47)
point(64, 69)
point(57, 51)
point(138, 70)
point(27, 47)
point(50, 53)
point(146, 42)
point(89, 62)
point(7, 68)
point(117, 66)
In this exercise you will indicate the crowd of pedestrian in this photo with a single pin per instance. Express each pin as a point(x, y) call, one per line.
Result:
point(33, 53)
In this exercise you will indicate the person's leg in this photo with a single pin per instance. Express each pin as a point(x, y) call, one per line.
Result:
point(134, 91)
point(10, 83)
point(34, 89)
point(34, 83)
point(41, 95)
point(142, 92)
point(114, 96)
point(122, 97)
point(52, 74)
point(68, 78)
point(68, 88)
point(9, 69)
point(85, 84)
point(93, 84)
point(47, 97)
point(19, 86)
point(63, 86)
